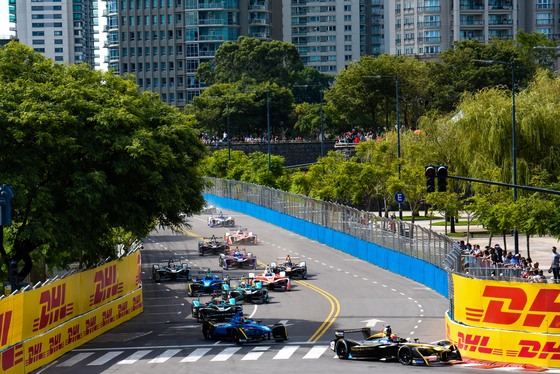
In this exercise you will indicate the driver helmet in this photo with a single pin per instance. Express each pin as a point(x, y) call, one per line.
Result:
point(171, 264)
point(393, 337)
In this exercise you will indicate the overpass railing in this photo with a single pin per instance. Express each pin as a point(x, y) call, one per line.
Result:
point(400, 236)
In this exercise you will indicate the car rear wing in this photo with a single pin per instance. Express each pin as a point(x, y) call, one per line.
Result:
point(366, 332)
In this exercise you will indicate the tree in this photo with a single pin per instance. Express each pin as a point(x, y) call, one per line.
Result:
point(88, 156)
point(247, 107)
point(254, 61)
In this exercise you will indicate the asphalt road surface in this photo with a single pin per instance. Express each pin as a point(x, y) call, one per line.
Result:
point(340, 292)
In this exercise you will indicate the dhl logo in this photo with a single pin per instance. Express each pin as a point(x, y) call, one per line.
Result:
point(53, 307)
point(512, 305)
point(527, 348)
point(11, 357)
point(106, 285)
point(5, 323)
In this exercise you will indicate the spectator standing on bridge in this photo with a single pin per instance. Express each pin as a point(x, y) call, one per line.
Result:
point(499, 252)
point(555, 266)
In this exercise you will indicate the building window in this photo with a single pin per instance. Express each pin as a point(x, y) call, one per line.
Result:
point(58, 41)
point(38, 41)
point(59, 50)
point(58, 58)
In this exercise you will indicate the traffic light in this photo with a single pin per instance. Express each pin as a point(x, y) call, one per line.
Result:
point(431, 178)
point(442, 178)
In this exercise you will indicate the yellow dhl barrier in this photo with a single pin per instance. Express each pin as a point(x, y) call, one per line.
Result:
point(504, 346)
point(35, 352)
point(25, 315)
point(525, 307)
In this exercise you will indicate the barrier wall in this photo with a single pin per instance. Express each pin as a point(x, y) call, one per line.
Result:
point(506, 321)
point(37, 326)
point(399, 263)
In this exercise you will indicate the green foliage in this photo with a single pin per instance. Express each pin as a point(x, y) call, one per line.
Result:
point(245, 107)
point(88, 156)
point(253, 60)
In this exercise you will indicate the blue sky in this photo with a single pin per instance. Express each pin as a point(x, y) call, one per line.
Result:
point(4, 18)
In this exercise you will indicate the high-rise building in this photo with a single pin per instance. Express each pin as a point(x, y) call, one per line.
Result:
point(329, 34)
point(62, 30)
point(429, 27)
point(163, 42)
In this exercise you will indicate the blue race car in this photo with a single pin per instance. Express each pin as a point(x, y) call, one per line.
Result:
point(242, 330)
point(209, 284)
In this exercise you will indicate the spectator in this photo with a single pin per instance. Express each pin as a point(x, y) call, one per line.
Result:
point(555, 266)
point(541, 278)
point(499, 252)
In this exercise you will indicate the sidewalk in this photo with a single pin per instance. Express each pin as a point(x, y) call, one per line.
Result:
point(540, 247)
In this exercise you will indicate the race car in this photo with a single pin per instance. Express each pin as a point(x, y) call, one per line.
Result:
point(242, 330)
point(208, 209)
point(170, 270)
point(207, 284)
point(381, 346)
point(240, 236)
point(290, 268)
point(245, 292)
point(212, 245)
point(237, 258)
point(221, 221)
point(271, 281)
point(217, 309)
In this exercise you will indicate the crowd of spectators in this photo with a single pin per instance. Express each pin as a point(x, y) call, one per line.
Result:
point(494, 262)
point(352, 137)
point(216, 140)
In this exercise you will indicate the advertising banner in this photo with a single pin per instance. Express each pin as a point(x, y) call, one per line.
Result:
point(516, 306)
point(504, 346)
point(11, 320)
point(32, 313)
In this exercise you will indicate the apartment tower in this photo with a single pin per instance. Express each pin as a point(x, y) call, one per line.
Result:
point(61, 30)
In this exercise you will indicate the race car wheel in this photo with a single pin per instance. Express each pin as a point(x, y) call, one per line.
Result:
point(235, 337)
point(405, 355)
point(342, 350)
point(206, 332)
point(279, 333)
point(157, 277)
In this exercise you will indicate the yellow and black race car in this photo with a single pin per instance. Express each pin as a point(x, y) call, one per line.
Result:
point(390, 347)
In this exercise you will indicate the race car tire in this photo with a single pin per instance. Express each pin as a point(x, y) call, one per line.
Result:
point(206, 332)
point(279, 333)
point(342, 350)
point(404, 355)
point(235, 336)
point(157, 277)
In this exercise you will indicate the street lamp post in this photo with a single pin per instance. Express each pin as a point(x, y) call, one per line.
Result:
point(511, 64)
point(228, 132)
point(321, 93)
point(268, 124)
point(398, 125)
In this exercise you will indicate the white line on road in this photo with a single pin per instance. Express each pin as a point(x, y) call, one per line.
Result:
point(74, 360)
point(316, 352)
point(255, 354)
point(105, 358)
point(196, 355)
point(164, 356)
point(134, 357)
point(286, 352)
point(225, 354)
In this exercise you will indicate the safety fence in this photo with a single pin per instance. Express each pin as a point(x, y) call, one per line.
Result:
point(400, 236)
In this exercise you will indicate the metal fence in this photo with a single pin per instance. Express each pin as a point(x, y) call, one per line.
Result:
point(399, 236)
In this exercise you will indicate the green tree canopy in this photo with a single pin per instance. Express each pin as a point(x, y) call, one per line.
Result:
point(253, 60)
point(88, 156)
